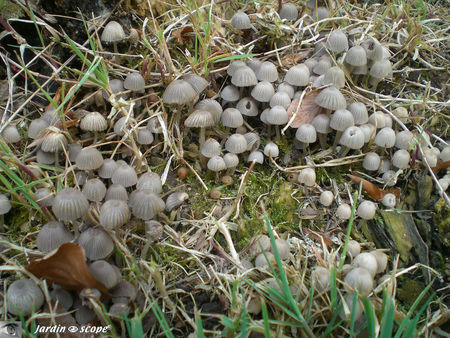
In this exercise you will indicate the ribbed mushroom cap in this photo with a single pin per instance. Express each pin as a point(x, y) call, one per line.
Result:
point(307, 177)
point(352, 138)
point(232, 118)
point(70, 204)
point(371, 46)
point(430, 156)
point(263, 91)
point(247, 106)
point(280, 99)
point(134, 82)
point(306, 133)
point(234, 66)
point(179, 92)
point(212, 106)
point(124, 175)
point(263, 116)
point(35, 128)
point(236, 144)
point(211, 148)
point(231, 160)
point(124, 292)
point(322, 124)
point(104, 273)
point(297, 75)
point(144, 136)
point(371, 161)
point(93, 122)
point(52, 235)
point(216, 163)
point(54, 141)
point(356, 56)
point(404, 139)
point(400, 159)
point(341, 120)
point(337, 41)
point(244, 77)
point(366, 210)
point(116, 192)
point(271, 150)
point(317, 81)
point(84, 314)
point(289, 12)
point(23, 297)
point(240, 20)
point(5, 204)
point(145, 204)
point(320, 13)
point(113, 32)
point(330, 98)
point(154, 125)
point(334, 76)
point(381, 69)
point(277, 116)
point(63, 297)
point(121, 124)
point(197, 82)
point(381, 259)
point(256, 156)
point(369, 131)
point(44, 196)
point(311, 63)
point(230, 93)
point(359, 112)
point(326, 198)
point(114, 213)
point(385, 138)
point(107, 169)
point(360, 279)
point(267, 72)
point(344, 211)
point(94, 190)
point(389, 200)
point(254, 64)
point(89, 159)
point(97, 244)
point(401, 113)
point(174, 200)
point(253, 141)
point(116, 86)
point(200, 119)
point(286, 88)
point(150, 181)
point(322, 66)
point(50, 116)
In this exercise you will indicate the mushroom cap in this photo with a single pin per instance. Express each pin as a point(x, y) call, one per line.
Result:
point(371, 161)
point(104, 273)
point(360, 70)
point(121, 124)
point(286, 88)
point(334, 76)
point(144, 136)
point(212, 106)
point(197, 82)
point(216, 163)
point(63, 297)
point(254, 64)
point(444, 156)
point(360, 279)
point(356, 56)
point(245, 77)
point(401, 113)
point(366, 210)
point(341, 120)
point(385, 138)
point(232, 118)
point(311, 63)
point(289, 12)
point(107, 169)
point(282, 247)
point(330, 98)
point(368, 130)
point(306, 133)
point(175, 199)
point(320, 13)
point(211, 148)
point(277, 115)
point(256, 156)
point(400, 159)
point(35, 128)
point(52, 235)
point(322, 66)
point(381, 69)
point(352, 138)
point(321, 278)
point(236, 144)
point(367, 261)
point(359, 112)
point(247, 106)
point(54, 141)
point(322, 123)
point(404, 139)
point(231, 160)
point(94, 190)
point(93, 122)
point(230, 93)
point(114, 213)
point(89, 159)
point(112, 32)
point(240, 20)
point(297, 75)
point(263, 91)
point(23, 297)
point(123, 290)
point(234, 66)
point(389, 200)
point(179, 92)
point(145, 204)
point(44, 196)
point(307, 177)
point(134, 82)
point(353, 248)
point(271, 150)
point(124, 175)
point(280, 99)
point(344, 211)
point(326, 198)
point(372, 47)
point(70, 204)
point(5, 204)
point(381, 259)
point(253, 141)
point(337, 41)
point(267, 72)
point(116, 192)
point(200, 119)
point(97, 244)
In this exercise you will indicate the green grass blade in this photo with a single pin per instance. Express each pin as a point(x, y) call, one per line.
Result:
point(353, 315)
point(412, 326)
point(265, 315)
point(162, 320)
point(199, 325)
point(370, 316)
point(388, 311)
point(333, 288)
point(349, 230)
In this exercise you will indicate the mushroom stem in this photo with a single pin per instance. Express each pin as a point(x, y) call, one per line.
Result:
point(2, 223)
point(277, 129)
point(344, 151)
point(202, 137)
point(322, 140)
point(337, 138)
point(304, 149)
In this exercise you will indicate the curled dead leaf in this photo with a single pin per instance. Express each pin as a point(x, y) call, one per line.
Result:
point(306, 111)
point(441, 166)
point(183, 34)
point(293, 59)
point(67, 267)
point(372, 190)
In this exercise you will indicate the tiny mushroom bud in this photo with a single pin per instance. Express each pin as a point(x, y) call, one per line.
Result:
point(353, 248)
point(381, 259)
point(307, 177)
point(271, 150)
point(366, 261)
point(344, 211)
point(359, 279)
point(326, 198)
point(366, 210)
point(321, 278)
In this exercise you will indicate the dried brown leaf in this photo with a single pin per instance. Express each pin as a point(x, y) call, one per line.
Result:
point(183, 34)
point(293, 59)
point(307, 110)
point(372, 190)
